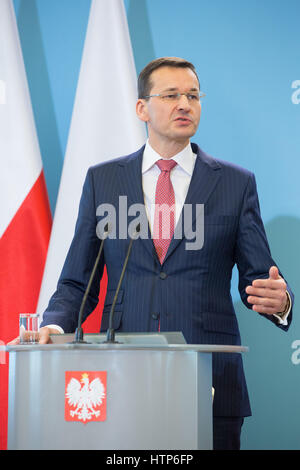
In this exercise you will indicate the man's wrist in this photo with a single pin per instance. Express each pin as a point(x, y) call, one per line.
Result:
point(287, 306)
point(58, 329)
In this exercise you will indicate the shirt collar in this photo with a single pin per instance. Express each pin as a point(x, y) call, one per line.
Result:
point(185, 159)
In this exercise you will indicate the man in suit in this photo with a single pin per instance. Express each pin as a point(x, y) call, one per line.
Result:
point(168, 287)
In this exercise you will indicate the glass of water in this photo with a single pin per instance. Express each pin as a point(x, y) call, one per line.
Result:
point(29, 328)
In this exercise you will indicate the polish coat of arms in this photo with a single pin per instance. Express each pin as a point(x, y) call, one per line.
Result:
point(85, 396)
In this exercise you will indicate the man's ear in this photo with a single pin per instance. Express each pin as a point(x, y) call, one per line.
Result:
point(142, 110)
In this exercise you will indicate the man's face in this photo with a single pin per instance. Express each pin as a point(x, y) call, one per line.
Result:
point(171, 121)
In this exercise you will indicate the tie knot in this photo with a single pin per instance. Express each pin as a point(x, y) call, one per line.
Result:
point(166, 165)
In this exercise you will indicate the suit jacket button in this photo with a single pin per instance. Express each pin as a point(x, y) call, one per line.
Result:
point(162, 275)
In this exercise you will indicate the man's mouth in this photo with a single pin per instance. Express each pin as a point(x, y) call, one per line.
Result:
point(184, 120)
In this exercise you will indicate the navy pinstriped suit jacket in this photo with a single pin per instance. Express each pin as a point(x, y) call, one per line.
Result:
point(190, 291)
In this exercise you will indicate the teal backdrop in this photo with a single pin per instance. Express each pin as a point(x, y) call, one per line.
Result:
point(248, 58)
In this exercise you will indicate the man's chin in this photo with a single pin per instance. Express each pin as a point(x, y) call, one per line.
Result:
point(184, 135)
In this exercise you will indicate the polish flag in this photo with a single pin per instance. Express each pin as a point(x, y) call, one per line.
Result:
point(25, 217)
point(104, 125)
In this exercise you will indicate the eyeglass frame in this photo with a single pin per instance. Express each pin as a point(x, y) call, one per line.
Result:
point(177, 94)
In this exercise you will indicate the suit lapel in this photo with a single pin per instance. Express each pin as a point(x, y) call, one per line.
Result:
point(130, 183)
point(130, 177)
point(205, 177)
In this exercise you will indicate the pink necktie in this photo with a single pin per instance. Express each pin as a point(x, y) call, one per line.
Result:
point(164, 216)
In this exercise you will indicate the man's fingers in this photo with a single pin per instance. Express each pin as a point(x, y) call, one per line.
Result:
point(274, 273)
point(273, 281)
point(14, 341)
point(263, 305)
point(265, 301)
point(263, 292)
point(44, 335)
point(269, 283)
point(264, 309)
point(269, 303)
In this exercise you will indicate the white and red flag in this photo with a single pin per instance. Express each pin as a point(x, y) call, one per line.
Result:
point(25, 217)
point(104, 125)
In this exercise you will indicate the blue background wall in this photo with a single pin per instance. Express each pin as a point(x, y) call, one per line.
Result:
point(247, 55)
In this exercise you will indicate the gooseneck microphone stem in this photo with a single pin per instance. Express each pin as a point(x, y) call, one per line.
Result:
point(110, 334)
point(79, 330)
point(110, 338)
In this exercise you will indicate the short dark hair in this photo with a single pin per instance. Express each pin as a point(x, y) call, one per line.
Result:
point(144, 80)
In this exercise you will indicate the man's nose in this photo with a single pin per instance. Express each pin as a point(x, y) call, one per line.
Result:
point(183, 102)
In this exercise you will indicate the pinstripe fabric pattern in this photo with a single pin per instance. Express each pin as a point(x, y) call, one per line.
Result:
point(190, 290)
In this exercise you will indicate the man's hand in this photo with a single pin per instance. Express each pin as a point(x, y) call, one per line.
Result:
point(268, 295)
point(43, 336)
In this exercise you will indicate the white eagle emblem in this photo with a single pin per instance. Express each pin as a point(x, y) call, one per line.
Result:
point(85, 396)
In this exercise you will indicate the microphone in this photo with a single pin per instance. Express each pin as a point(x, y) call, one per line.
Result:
point(79, 330)
point(110, 335)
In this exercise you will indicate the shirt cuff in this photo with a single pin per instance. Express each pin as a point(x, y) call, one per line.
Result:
point(56, 327)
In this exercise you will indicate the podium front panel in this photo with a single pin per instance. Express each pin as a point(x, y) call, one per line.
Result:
point(156, 399)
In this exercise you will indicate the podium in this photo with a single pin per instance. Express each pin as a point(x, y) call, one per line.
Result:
point(158, 393)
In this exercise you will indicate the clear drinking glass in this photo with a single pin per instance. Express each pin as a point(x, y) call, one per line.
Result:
point(28, 328)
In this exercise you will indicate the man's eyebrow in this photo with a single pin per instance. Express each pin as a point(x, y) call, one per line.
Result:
point(176, 89)
point(170, 89)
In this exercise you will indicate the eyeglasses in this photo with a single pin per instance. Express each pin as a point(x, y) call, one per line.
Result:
point(173, 97)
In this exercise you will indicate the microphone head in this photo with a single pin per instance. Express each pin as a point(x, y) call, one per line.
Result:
point(106, 230)
point(103, 233)
point(135, 232)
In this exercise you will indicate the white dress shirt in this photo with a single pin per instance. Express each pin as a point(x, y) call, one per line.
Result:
point(180, 177)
